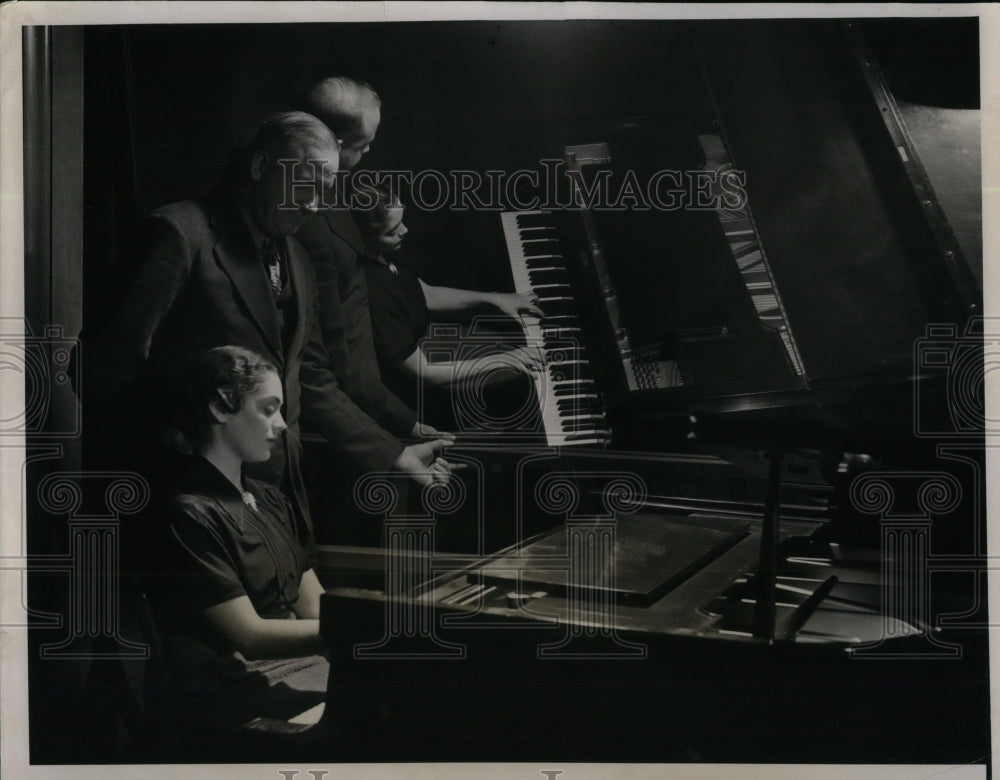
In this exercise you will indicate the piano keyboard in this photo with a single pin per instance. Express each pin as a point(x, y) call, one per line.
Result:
point(568, 397)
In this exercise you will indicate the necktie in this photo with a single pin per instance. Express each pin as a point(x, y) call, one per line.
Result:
point(272, 264)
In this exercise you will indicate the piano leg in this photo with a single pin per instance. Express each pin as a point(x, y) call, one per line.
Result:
point(764, 612)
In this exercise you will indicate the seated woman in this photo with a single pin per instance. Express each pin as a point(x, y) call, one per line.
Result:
point(233, 583)
point(402, 306)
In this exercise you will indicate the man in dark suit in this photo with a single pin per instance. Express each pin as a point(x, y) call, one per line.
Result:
point(224, 270)
point(351, 110)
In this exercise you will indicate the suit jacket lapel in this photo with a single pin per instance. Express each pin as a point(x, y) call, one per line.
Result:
point(236, 254)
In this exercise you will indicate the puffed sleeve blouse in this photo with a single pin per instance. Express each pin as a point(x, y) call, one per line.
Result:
point(219, 545)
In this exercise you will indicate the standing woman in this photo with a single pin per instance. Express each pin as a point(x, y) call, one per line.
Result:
point(234, 587)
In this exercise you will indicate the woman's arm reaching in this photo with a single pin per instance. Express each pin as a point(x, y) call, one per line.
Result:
point(451, 300)
point(446, 374)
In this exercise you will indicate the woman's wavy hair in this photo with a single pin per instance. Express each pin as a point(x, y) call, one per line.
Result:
point(223, 375)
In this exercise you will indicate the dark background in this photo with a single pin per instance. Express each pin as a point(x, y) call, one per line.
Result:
point(166, 104)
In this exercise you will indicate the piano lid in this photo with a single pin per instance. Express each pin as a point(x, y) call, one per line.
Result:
point(826, 279)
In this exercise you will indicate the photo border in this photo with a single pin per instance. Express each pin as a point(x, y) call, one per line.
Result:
point(13, 640)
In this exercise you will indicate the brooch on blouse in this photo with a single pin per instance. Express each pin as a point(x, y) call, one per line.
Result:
point(249, 500)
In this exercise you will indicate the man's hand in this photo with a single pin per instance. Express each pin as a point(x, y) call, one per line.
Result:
point(422, 463)
point(429, 432)
point(516, 304)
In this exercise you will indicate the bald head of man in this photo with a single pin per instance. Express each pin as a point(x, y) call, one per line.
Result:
point(351, 109)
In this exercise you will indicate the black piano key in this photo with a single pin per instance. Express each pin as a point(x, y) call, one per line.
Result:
point(567, 390)
point(544, 246)
point(574, 410)
point(547, 277)
point(535, 232)
point(570, 411)
point(579, 414)
point(577, 402)
point(533, 220)
point(550, 308)
point(585, 421)
point(566, 342)
point(574, 388)
point(543, 257)
point(574, 381)
point(569, 319)
point(577, 425)
point(554, 294)
point(553, 260)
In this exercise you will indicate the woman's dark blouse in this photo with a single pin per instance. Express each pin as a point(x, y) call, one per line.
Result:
point(211, 547)
point(398, 311)
point(217, 548)
point(400, 319)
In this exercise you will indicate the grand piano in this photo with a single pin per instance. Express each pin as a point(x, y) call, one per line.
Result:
point(747, 525)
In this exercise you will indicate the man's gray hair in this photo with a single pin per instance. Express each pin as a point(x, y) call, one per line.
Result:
point(340, 101)
point(277, 135)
